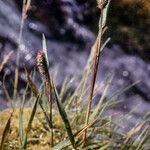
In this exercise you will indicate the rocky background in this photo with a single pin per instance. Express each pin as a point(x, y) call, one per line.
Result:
point(70, 27)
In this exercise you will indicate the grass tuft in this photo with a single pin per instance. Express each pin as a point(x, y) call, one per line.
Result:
point(59, 122)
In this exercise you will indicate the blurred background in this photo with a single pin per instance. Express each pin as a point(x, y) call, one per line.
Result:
point(70, 27)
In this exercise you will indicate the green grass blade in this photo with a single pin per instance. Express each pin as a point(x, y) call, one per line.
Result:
point(48, 84)
point(142, 138)
point(66, 142)
point(98, 107)
point(8, 147)
point(45, 48)
point(36, 93)
point(105, 147)
point(65, 87)
point(64, 117)
point(5, 132)
point(21, 126)
point(61, 145)
point(31, 119)
point(45, 114)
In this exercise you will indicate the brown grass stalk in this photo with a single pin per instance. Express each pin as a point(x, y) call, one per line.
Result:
point(94, 73)
point(5, 60)
point(25, 8)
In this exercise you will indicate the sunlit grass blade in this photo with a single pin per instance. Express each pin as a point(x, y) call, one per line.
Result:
point(129, 135)
point(64, 117)
point(106, 146)
point(103, 19)
point(61, 145)
point(141, 139)
point(5, 59)
point(5, 132)
point(105, 43)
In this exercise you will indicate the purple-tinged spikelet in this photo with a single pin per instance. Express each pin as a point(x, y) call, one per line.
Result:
point(42, 64)
point(101, 3)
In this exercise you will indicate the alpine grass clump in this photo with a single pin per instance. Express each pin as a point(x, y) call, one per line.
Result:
point(74, 123)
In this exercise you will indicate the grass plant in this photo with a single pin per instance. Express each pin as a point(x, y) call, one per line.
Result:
point(57, 124)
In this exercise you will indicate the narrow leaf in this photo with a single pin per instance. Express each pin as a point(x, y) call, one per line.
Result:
point(103, 17)
point(99, 105)
point(21, 126)
point(36, 93)
point(31, 119)
point(30, 82)
point(45, 48)
point(5, 132)
point(64, 117)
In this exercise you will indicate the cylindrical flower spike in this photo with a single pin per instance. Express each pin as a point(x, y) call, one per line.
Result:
point(101, 3)
point(42, 65)
point(43, 69)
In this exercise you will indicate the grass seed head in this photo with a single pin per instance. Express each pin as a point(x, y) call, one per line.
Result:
point(101, 3)
point(42, 64)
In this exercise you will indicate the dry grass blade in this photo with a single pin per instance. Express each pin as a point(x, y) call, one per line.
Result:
point(5, 60)
point(134, 130)
point(5, 132)
point(86, 127)
point(64, 117)
point(31, 84)
point(25, 8)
